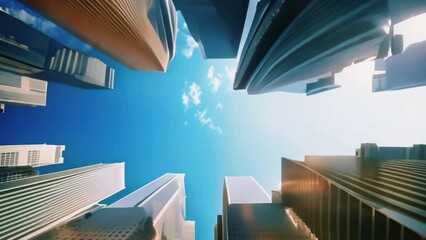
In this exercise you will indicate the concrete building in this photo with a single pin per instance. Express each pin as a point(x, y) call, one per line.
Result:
point(31, 155)
point(377, 194)
point(20, 90)
point(31, 206)
point(8, 174)
point(27, 52)
point(249, 213)
point(401, 71)
point(155, 211)
point(139, 34)
point(216, 25)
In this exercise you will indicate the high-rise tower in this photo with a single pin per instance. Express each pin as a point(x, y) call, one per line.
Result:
point(33, 205)
point(139, 34)
point(377, 194)
point(155, 211)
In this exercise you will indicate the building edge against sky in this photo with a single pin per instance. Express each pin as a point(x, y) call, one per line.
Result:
point(216, 25)
point(139, 34)
point(154, 210)
point(34, 205)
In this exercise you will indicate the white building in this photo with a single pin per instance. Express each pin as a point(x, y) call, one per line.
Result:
point(164, 200)
point(249, 213)
point(155, 211)
point(34, 205)
point(31, 155)
point(15, 89)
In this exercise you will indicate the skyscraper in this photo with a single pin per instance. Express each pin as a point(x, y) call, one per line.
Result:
point(216, 25)
point(33, 205)
point(139, 34)
point(27, 52)
point(31, 155)
point(155, 211)
point(298, 46)
point(402, 71)
point(248, 213)
point(377, 194)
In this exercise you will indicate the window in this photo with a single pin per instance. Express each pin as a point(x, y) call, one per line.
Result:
point(9, 159)
point(33, 158)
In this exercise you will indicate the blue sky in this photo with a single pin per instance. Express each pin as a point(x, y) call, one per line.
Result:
point(190, 120)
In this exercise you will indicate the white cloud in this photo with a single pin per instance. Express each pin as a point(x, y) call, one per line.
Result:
point(230, 73)
point(6, 10)
point(207, 121)
point(215, 128)
point(185, 26)
point(214, 81)
point(185, 100)
point(219, 75)
point(195, 93)
point(191, 44)
point(25, 17)
point(219, 106)
point(210, 73)
point(202, 117)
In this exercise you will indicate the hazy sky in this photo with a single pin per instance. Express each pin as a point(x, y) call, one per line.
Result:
point(190, 120)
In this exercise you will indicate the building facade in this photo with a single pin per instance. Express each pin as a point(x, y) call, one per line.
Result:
point(25, 51)
point(295, 45)
point(139, 34)
point(8, 174)
point(299, 46)
point(155, 211)
point(401, 71)
point(31, 155)
point(20, 90)
point(359, 197)
point(31, 206)
point(216, 25)
point(249, 213)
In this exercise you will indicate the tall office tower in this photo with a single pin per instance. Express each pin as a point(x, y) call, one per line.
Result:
point(31, 155)
point(216, 25)
point(139, 34)
point(298, 46)
point(20, 90)
point(8, 174)
point(248, 213)
point(155, 211)
point(402, 71)
point(33, 205)
point(27, 52)
point(379, 194)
